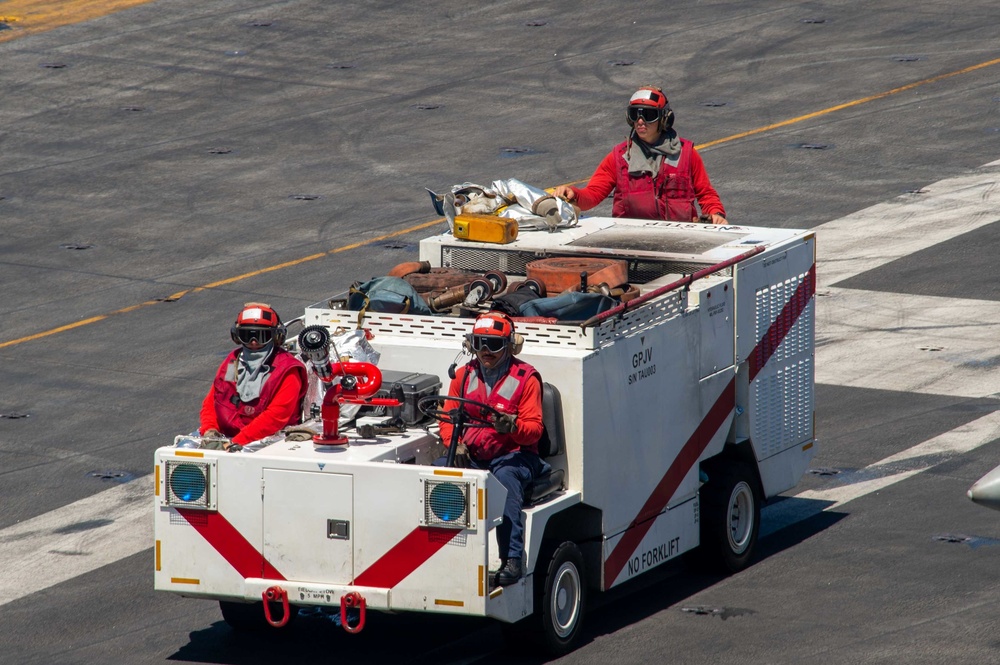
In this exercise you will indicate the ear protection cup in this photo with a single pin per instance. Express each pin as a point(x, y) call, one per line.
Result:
point(517, 344)
point(235, 335)
point(667, 121)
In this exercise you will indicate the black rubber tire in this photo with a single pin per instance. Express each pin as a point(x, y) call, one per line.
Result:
point(249, 617)
point(730, 517)
point(560, 605)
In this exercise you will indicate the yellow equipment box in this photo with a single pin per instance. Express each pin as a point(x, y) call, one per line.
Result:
point(485, 228)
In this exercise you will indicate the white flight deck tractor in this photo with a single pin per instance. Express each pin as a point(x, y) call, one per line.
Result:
point(669, 419)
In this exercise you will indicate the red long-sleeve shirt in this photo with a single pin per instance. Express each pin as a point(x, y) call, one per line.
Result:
point(274, 416)
point(605, 176)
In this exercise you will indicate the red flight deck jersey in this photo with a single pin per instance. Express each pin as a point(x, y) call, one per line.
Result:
point(673, 188)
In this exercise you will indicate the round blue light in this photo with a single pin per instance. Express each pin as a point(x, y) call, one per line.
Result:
point(447, 502)
point(187, 482)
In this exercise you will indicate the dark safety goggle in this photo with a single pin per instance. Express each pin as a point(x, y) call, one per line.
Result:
point(259, 334)
point(490, 343)
point(644, 112)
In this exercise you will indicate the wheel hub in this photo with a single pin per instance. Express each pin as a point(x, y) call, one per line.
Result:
point(740, 517)
point(566, 600)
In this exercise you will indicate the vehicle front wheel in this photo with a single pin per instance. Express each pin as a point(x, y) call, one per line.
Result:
point(730, 517)
point(560, 603)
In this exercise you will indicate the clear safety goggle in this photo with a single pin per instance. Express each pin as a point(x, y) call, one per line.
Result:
point(644, 112)
point(491, 343)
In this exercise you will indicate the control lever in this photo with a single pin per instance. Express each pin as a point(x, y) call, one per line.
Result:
point(390, 426)
point(394, 424)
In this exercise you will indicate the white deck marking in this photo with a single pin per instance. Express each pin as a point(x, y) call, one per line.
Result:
point(888, 231)
point(76, 539)
point(883, 473)
point(890, 341)
point(919, 344)
point(864, 339)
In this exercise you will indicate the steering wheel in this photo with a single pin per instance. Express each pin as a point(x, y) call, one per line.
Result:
point(432, 406)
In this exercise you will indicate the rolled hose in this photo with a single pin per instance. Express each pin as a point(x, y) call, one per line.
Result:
point(410, 267)
point(563, 273)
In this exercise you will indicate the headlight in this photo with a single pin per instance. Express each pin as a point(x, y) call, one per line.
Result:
point(446, 503)
point(189, 484)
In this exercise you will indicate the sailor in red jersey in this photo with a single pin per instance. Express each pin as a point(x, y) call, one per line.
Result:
point(259, 387)
point(509, 449)
point(655, 174)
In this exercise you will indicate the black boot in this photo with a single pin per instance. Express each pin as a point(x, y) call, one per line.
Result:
point(510, 573)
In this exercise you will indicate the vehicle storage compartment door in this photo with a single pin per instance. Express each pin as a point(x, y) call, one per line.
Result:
point(718, 332)
point(309, 525)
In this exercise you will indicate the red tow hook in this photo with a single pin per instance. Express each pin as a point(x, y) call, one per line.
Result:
point(272, 595)
point(352, 599)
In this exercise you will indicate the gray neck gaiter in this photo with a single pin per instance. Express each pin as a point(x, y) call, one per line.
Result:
point(643, 157)
point(252, 370)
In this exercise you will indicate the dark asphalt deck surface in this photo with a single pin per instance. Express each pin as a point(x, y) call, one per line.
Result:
point(184, 144)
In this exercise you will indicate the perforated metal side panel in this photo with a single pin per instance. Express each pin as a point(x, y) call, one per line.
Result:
point(782, 393)
point(641, 318)
point(783, 403)
point(446, 331)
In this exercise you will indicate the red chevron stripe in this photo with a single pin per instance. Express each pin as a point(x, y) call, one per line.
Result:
point(231, 544)
point(405, 556)
point(665, 489)
point(692, 450)
point(779, 329)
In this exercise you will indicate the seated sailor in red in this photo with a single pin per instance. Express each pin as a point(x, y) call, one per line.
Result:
point(259, 387)
point(509, 449)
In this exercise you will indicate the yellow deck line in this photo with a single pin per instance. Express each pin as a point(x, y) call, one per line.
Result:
point(222, 282)
point(832, 109)
point(27, 17)
point(847, 105)
point(8, 10)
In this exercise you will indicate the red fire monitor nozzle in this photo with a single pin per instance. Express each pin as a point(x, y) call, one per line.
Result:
point(358, 382)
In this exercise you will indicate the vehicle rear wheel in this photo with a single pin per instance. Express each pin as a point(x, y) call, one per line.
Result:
point(730, 517)
point(560, 603)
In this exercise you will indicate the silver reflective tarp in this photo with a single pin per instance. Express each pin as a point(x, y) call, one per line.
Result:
point(533, 208)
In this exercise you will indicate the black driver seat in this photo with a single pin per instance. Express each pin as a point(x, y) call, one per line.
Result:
point(552, 443)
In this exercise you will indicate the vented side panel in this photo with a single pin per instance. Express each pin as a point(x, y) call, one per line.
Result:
point(783, 390)
point(445, 330)
point(641, 318)
point(783, 405)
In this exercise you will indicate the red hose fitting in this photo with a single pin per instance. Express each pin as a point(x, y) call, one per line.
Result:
point(369, 381)
point(272, 595)
point(352, 599)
